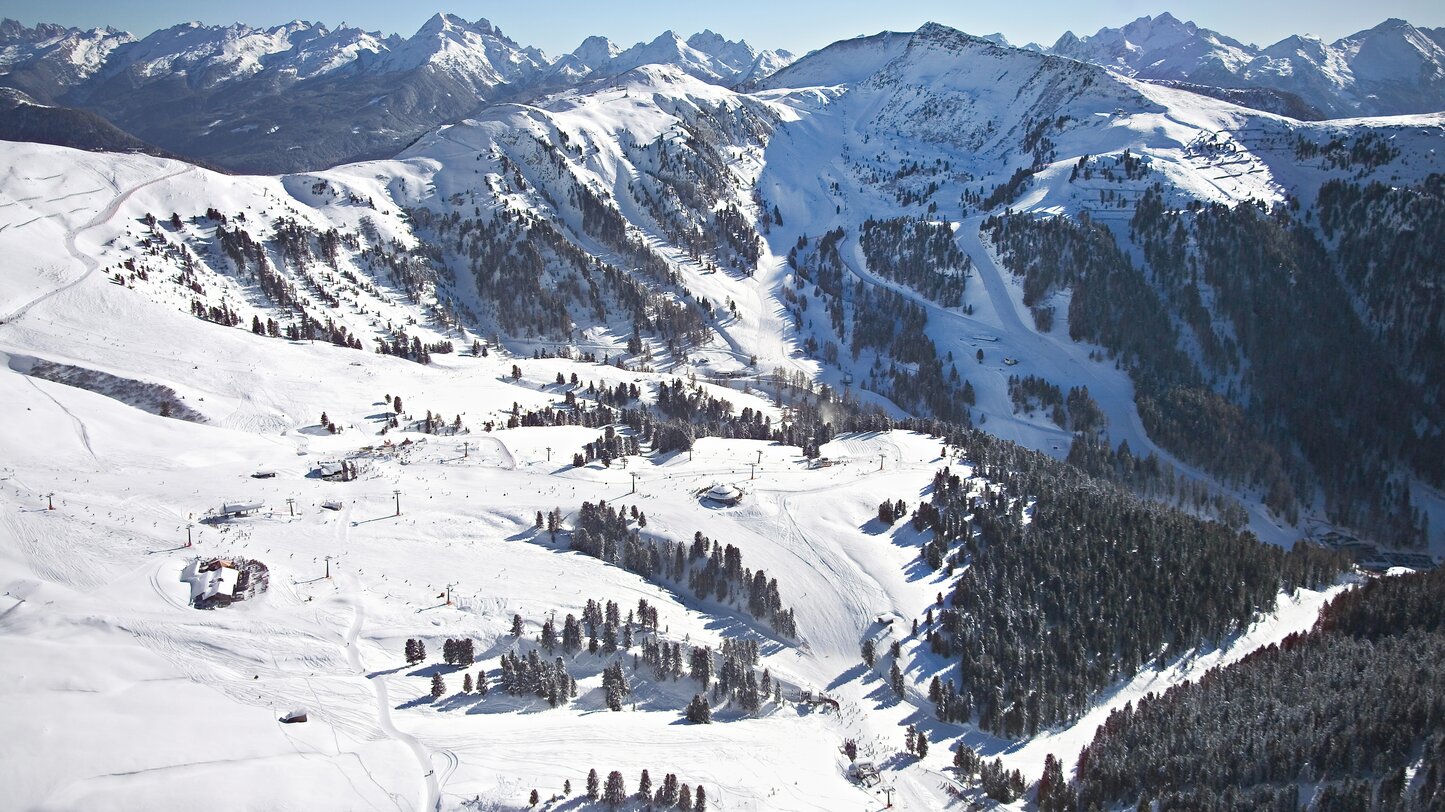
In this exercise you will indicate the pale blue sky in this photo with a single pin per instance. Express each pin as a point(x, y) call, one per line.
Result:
point(559, 25)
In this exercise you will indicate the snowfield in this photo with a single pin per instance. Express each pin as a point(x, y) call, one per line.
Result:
point(119, 695)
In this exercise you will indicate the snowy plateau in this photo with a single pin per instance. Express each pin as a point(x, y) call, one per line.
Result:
point(263, 431)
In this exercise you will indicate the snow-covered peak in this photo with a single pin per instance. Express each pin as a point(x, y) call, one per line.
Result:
point(666, 49)
point(478, 53)
point(748, 64)
point(441, 22)
point(68, 55)
point(595, 52)
point(211, 55)
point(1393, 51)
point(591, 57)
point(1162, 47)
point(1393, 68)
point(738, 53)
point(16, 31)
point(766, 64)
point(1298, 45)
point(705, 55)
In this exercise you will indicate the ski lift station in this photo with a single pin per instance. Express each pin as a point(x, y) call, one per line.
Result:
point(230, 509)
point(865, 773)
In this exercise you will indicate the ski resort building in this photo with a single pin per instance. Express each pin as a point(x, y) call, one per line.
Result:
point(213, 583)
point(229, 509)
point(724, 494)
point(865, 773)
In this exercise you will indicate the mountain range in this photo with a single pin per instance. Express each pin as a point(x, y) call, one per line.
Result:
point(1020, 421)
point(302, 95)
point(1391, 69)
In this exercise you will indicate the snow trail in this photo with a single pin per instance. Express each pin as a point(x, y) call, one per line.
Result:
point(71, 235)
point(432, 799)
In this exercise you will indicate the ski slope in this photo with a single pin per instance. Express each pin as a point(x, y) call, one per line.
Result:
point(101, 651)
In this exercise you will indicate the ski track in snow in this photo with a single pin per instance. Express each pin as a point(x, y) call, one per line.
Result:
point(90, 264)
point(80, 429)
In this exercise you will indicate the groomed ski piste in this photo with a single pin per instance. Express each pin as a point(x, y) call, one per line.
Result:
point(120, 695)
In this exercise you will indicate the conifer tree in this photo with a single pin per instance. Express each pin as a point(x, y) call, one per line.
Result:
point(438, 686)
point(615, 793)
point(467, 683)
point(644, 787)
point(571, 635)
point(667, 795)
point(698, 710)
point(594, 786)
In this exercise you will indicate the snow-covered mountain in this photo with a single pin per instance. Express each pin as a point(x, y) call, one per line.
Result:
point(304, 95)
point(48, 59)
point(705, 55)
point(1391, 69)
point(543, 304)
point(472, 52)
point(213, 91)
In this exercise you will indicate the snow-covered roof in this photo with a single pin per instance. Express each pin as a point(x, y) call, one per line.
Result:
point(241, 507)
point(724, 492)
point(207, 585)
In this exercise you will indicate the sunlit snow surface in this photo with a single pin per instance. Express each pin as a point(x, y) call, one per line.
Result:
point(119, 695)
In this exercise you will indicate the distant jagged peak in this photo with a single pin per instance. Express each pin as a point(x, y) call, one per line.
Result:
point(14, 32)
point(710, 42)
point(443, 23)
point(596, 51)
point(476, 52)
point(1393, 68)
point(1142, 35)
point(440, 22)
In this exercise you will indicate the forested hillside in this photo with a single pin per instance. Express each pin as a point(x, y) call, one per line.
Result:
point(1348, 716)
